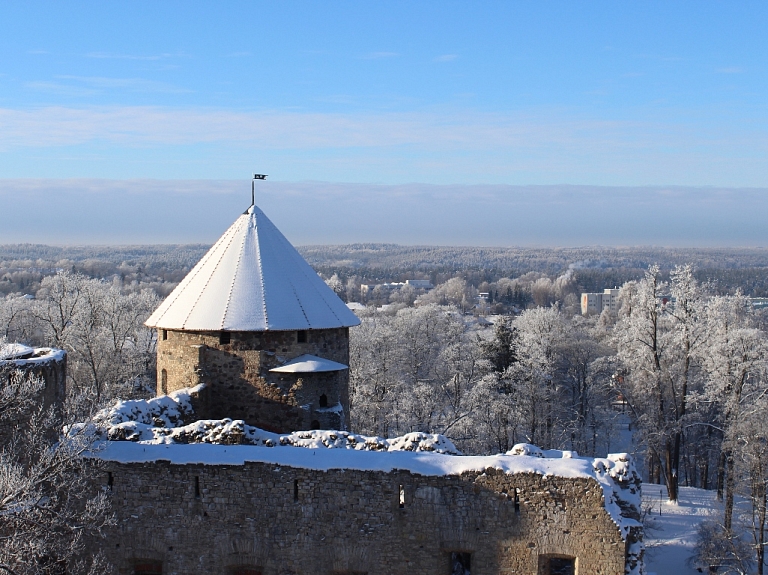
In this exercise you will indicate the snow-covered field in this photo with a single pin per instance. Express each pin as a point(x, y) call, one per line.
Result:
point(670, 537)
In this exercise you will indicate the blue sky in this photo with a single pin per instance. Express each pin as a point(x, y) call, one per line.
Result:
point(434, 93)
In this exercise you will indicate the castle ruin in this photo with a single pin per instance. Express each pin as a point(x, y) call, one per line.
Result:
point(264, 340)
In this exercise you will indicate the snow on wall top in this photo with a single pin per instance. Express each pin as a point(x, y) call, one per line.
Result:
point(252, 279)
point(15, 351)
point(418, 462)
point(19, 354)
point(309, 364)
point(140, 431)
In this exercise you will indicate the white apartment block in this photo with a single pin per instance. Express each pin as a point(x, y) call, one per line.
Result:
point(596, 303)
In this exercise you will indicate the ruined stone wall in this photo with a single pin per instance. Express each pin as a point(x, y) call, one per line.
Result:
point(240, 385)
point(47, 364)
point(267, 519)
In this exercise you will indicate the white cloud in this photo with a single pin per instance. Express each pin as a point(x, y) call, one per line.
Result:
point(446, 58)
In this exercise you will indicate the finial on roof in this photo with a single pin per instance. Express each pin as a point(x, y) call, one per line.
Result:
point(253, 186)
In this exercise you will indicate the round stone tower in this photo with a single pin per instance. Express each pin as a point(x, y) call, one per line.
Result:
point(257, 325)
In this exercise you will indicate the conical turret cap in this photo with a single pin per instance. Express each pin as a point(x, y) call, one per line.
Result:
point(252, 279)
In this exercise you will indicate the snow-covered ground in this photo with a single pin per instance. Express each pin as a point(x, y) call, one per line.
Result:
point(669, 537)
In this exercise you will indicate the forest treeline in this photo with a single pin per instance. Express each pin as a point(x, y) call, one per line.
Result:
point(161, 267)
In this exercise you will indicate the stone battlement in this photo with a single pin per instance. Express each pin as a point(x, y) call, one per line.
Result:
point(340, 512)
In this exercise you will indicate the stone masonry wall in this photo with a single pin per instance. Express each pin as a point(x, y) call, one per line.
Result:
point(50, 365)
point(240, 385)
point(276, 520)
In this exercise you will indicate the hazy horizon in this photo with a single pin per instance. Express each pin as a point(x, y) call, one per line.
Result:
point(120, 212)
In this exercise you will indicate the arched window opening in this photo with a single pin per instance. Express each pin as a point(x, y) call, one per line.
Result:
point(323, 400)
point(315, 424)
point(164, 382)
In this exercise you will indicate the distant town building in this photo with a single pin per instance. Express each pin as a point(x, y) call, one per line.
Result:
point(420, 284)
point(596, 303)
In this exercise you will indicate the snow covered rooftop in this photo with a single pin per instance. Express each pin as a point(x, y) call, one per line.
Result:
point(252, 279)
point(309, 364)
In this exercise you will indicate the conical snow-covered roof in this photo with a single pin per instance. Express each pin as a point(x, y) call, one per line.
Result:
point(252, 279)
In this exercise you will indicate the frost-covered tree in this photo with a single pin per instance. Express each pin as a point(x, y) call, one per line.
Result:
point(111, 353)
point(657, 343)
point(338, 287)
point(411, 370)
point(735, 361)
point(751, 447)
point(585, 417)
point(47, 502)
point(15, 324)
point(540, 332)
point(720, 551)
point(456, 292)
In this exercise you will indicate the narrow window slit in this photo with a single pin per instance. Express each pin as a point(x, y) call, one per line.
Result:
point(517, 501)
point(295, 489)
point(197, 487)
point(402, 497)
point(110, 480)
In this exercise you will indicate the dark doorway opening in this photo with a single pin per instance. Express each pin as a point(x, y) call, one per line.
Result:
point(460, 563)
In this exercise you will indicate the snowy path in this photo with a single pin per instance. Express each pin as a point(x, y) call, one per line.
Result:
point(670, 537)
